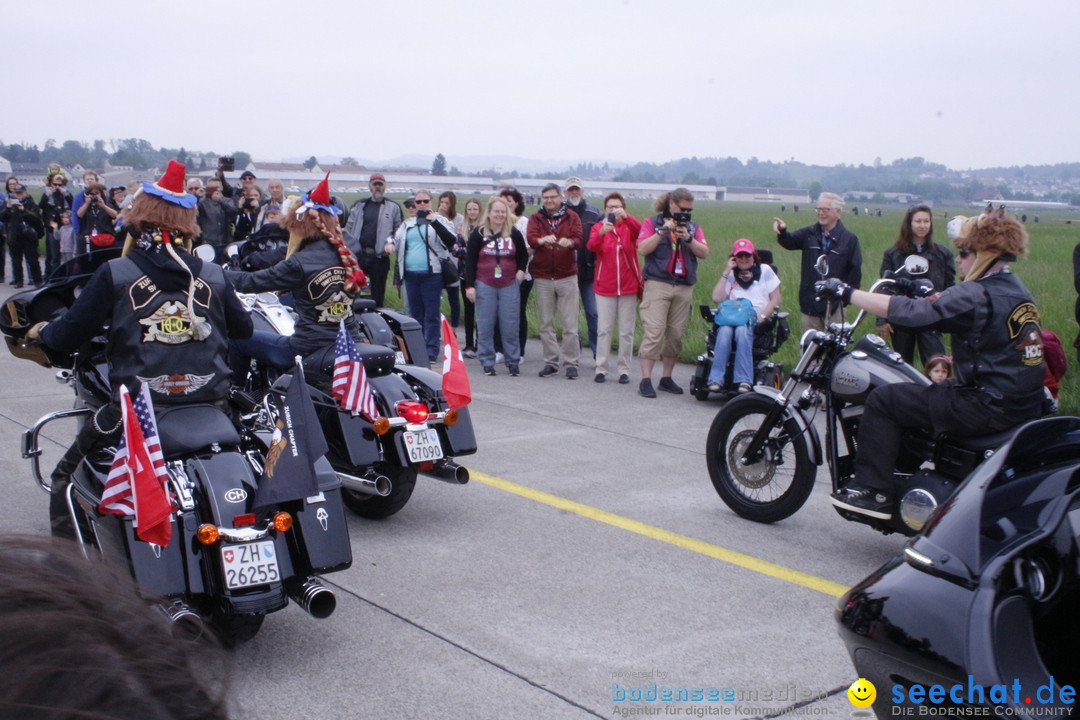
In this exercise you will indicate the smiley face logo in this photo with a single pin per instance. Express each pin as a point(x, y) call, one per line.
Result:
point(862, 693)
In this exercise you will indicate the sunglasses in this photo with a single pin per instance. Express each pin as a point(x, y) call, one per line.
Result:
point(964, 252)
point(423, 202)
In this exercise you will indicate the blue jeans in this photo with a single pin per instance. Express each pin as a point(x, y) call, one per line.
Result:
point(744, 354)
point(424, 290)
point(266, 347)
point(497, 303)
point(588, 304)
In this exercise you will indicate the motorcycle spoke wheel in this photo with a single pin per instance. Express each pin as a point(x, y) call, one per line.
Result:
point(774, 486)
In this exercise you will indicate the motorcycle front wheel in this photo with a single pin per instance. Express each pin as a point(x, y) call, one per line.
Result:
point(775, 486)
point(374, 507)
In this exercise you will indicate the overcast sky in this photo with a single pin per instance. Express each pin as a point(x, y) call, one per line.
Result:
point(966, 83)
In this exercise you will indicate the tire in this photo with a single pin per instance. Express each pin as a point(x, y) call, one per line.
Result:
point(374, 507)
point(771, 489)
point(235, 629)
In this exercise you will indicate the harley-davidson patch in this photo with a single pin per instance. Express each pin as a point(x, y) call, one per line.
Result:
point(336, 308)
point(1024, 324)
point(176, 384)
point(168, 324)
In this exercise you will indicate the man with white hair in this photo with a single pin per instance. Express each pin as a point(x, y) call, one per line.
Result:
point(830, 238)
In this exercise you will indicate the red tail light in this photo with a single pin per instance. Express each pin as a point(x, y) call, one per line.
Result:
point(412, 410)
point(240, 521)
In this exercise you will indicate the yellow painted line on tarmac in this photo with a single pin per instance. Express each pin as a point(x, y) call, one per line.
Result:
point(714, 551)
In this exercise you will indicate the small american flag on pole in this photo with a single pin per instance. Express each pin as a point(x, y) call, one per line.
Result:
point(351, 386)
point(136, 482)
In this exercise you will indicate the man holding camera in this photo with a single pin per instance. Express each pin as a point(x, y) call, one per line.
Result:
point(216, 215)
point(372, 222)
point(830, 238)
point(22, 230)
point(672, 245)
point(96, 220)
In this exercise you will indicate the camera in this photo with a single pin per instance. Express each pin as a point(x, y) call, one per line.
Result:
point(681, 217)
point(228, 164)
point(422, 214)
point(611, 218)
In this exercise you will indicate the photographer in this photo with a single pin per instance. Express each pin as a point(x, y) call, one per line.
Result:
point(672, 245)
point(54, 202)
point(22, 230)
point(248, 213)
point(215, 217)
point(96, 221)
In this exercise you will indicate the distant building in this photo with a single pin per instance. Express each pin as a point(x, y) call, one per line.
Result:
point(763, 194)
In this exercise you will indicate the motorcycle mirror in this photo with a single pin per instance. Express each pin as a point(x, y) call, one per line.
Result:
point(205, 253)
point(232, 250)
point(822, 265)
point(916, 265)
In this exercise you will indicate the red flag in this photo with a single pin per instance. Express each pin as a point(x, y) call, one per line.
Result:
point(350, 385)
point(455, 378)
point(136, 482)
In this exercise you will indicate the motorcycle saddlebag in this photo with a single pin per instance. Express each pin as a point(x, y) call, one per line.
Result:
point(411, 334)
point(320, 524)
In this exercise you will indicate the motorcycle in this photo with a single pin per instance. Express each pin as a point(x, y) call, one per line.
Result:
point(763, 448)
point(981, 605)
point(228, 563)
point(377, 462)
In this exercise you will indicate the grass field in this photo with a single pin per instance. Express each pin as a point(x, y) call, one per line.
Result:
point(1047, 271)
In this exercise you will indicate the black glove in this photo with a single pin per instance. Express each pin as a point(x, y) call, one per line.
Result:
point(833, 287)
point(914, 287)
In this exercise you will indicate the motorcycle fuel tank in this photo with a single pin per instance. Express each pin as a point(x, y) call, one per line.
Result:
point(870, 365)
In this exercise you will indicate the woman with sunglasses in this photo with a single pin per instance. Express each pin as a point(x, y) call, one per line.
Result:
point(917, 238)
point(54, 202)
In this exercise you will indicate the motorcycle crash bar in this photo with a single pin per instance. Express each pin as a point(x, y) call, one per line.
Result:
point(372, 483)
point(316, 599)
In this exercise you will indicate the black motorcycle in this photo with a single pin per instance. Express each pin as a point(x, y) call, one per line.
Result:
point(228, 562)
point(763, 448)
point(417, 432)
point(979, 609)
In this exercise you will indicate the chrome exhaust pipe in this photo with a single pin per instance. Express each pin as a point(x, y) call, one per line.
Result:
point(449, 471)
point(315, 598)
point(372, 483)
point(186, 623)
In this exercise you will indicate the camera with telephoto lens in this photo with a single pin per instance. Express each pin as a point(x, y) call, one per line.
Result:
point(681, 218)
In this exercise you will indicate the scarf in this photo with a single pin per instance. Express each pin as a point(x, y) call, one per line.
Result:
point(748, 277)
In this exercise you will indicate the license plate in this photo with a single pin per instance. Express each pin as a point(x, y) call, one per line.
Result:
point(423, 445)
point(249, 564)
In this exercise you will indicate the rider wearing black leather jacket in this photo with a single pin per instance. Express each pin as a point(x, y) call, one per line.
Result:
point(997, 353)
point(169, 315)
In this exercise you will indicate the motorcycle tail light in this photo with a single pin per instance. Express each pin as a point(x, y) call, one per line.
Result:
point(207, 534)
point(413, 411)
point(381, 425)
point(282, 521)
point(243, 520)
point(450, 418)
point(427, 467)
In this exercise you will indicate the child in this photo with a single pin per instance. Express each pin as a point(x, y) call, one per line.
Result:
point(939, 368)
point(66, 234)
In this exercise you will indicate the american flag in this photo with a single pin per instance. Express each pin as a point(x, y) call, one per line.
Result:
point(136, 482)
point(351, 386)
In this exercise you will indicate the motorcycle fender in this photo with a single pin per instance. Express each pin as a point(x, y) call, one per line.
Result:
point(320, 532)
point(457, 440)
point(805, 426)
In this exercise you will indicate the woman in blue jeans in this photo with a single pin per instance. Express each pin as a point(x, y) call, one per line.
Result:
point(421, 244)
point(744, 277)
point(495, 260)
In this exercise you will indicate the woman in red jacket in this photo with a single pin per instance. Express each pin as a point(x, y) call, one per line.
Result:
point(617, 281)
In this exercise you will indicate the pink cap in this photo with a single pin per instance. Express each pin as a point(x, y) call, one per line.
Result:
point(742, 245)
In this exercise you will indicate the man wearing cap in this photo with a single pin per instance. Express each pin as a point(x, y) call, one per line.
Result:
point(247, 179)
point(586, 258)
point(169, 317)
point(22, 230)
point(372, 222)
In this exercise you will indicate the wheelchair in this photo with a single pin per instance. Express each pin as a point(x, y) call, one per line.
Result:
point(769, 335)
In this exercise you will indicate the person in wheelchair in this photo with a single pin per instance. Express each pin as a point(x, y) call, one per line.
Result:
point(746, 277)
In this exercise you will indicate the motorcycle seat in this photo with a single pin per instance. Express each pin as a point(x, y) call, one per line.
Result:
point(185, 429)
point(981, 443)
point(363, 305)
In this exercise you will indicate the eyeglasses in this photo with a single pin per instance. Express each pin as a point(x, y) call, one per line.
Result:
point(423, 202)
point(683, 208)
point(823, 209)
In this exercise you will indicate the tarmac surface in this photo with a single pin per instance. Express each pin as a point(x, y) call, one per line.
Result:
point(586, 570)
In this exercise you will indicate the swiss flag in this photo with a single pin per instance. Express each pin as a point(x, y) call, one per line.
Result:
point(455, 379)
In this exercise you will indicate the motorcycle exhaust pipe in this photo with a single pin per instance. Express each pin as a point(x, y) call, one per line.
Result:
point(315, 598)
point(449, 471)
point(372, 483)
point(186, 623)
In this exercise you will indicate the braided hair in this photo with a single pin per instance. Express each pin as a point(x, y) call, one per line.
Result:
point(354, 276)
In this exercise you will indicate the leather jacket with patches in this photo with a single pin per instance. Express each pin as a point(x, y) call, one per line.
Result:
point(143, 299)
point(317, 280)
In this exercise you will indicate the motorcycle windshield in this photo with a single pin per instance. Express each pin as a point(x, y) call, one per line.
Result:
point(1001, 505)
point(82, 266)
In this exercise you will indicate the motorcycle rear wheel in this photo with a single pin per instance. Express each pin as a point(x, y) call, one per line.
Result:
point(374, 507)
point(774, 487)
point(235, 629)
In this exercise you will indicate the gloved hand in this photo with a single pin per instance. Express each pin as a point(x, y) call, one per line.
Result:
point(34, 333)
point(833, 287)
point(913, 287)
